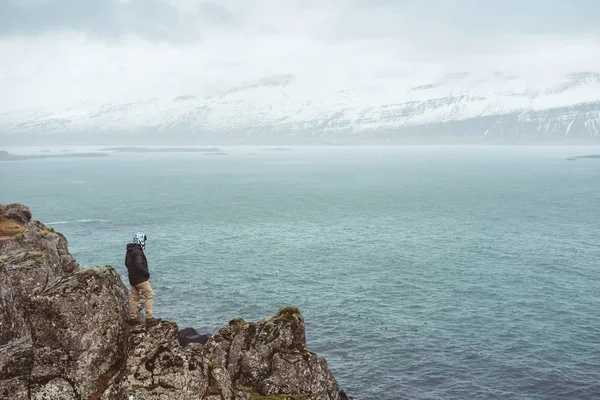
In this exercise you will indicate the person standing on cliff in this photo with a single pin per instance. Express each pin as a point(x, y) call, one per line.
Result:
point(137, 267)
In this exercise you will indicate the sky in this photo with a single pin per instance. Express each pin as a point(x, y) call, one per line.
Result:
point(58, 53)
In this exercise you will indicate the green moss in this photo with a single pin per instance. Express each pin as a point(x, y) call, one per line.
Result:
point(217, 338)
point(37, 256)
point(254, 395)
point(288, 310)
point(288, 314)
point(299, 352)
point(99, 269)
point(284, 396)
point(210, 365)
point(251, 328)
point(237, 324)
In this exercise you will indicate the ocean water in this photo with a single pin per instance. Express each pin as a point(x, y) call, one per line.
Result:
point(422, 272)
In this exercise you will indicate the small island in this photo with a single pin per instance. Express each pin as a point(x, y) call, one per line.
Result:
point(6, 156)
point(278, 149)
point(163, 150)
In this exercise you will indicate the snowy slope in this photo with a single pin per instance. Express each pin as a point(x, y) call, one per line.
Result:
point(493, 105)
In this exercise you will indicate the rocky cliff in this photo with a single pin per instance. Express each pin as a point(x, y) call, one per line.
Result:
point(64, 334)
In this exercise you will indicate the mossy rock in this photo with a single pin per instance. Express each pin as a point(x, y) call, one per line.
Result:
point(288, 310)
point(237, 323)
point(211, 365)
point(98, 269)
point(284, 396)
point(218, 338)
point(213, 390)
point(288, 313)
point(251, 329)
point(299, 352)
point(34, 256)
point(9, 228)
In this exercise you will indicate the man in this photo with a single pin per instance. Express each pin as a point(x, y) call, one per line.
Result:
point(137, 266)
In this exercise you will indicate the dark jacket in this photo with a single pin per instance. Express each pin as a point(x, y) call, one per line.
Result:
point(136, 264)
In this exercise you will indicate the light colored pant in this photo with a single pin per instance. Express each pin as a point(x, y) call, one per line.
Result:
point(143, 290)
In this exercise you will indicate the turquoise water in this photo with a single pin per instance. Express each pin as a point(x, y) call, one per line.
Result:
point(422, 272)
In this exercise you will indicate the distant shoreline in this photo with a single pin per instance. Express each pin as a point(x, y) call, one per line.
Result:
point(215, 147)
point(6, 156)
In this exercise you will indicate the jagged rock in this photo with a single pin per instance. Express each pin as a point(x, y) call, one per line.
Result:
point(77, 329)
point(156, 367)
point(16, 212)
point(16, 361)
point(220, 382)
point(64, 335)
point(271, 358)
point(32, 255)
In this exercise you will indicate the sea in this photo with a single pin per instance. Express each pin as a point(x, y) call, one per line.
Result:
point(422, 272)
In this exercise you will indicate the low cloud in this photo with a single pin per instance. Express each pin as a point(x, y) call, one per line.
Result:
point(64, 53)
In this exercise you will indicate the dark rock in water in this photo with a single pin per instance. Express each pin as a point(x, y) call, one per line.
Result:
point(189, 335)
point(186, 332)
point(64, 335)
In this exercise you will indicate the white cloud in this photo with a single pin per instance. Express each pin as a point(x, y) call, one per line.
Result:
point(327, 46)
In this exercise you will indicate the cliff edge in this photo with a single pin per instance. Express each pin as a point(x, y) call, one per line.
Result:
point(64, 335)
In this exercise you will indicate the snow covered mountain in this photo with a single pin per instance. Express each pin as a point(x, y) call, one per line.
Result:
point(462, 107)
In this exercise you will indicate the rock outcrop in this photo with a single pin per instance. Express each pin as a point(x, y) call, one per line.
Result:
point(270, 358)
point(77, 332)
point(32, 255)
point(64, 334)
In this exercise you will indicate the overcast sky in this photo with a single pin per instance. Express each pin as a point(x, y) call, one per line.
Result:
point(61, 52)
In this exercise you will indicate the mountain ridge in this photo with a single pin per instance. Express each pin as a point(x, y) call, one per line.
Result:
point(458, 107)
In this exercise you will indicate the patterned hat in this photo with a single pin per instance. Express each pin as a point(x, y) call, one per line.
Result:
point(140, 238)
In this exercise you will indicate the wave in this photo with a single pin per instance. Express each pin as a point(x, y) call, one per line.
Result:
point(78, 221)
